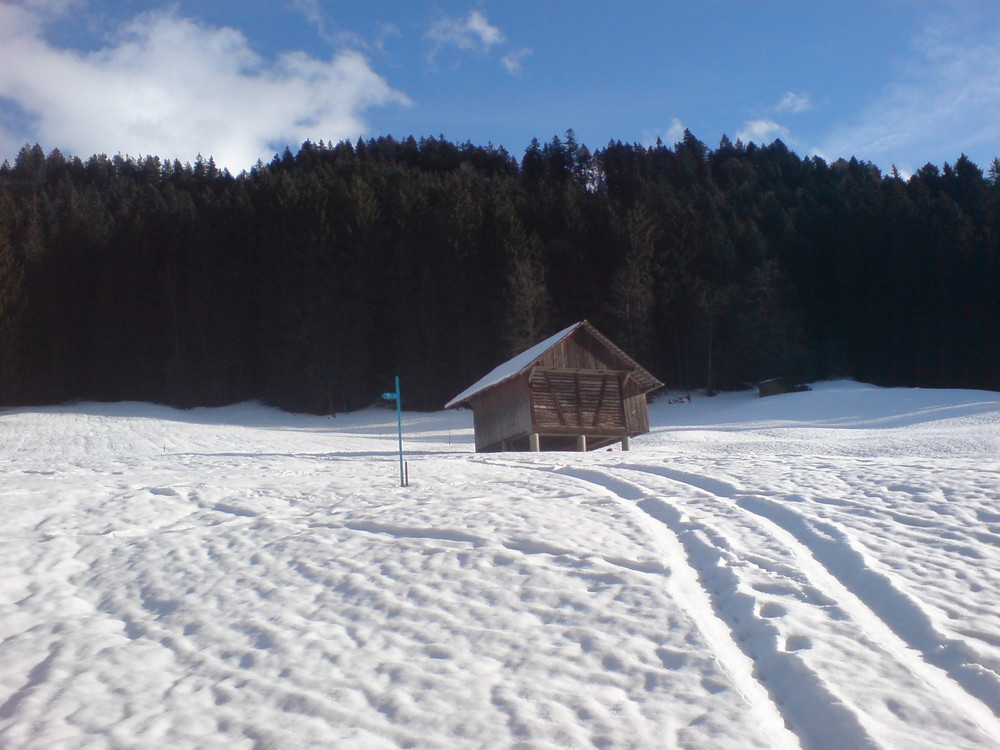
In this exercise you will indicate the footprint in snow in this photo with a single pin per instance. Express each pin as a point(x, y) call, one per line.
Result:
point(671, 659)
point(772, 609)
point(612, 663)
point(163, 491)
point(234, 510)
point(798, 643)
point(712, 686)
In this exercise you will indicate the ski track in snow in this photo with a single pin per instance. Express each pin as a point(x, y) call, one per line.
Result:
point(753, 579)
point(816, 570)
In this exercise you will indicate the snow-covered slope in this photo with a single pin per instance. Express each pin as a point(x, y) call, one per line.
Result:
point(816, 570)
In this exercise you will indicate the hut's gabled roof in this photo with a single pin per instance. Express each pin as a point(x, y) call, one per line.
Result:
point(513, 367)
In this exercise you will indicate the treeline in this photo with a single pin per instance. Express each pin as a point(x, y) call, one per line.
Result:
point(311, 281)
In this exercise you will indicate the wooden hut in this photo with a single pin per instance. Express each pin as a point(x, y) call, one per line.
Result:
point(574, 391)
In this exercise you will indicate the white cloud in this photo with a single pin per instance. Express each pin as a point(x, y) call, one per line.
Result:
point(16, 20)
point(513, 62)
point(174, 87)
point(794, 102)
point(762, 131)
point(473, 33)
point(942, 101)
point(673, 134)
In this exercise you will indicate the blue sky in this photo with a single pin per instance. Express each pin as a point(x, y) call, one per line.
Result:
point(896, 82)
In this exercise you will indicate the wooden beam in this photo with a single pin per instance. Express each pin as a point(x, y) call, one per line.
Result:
point(583, 371)
point(532, 414)
point(579, 399)
point(555, 397)
point(621, 399)
point(613, 433)
point(600, 399)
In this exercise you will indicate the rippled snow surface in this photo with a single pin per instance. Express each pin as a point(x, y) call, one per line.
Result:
point(815, 570)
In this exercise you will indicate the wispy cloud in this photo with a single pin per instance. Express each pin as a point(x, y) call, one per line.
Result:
point(51, 7)
point(174, 87)
point(943, 100)
point(513, 62)
point(473, 33)
point(794, 102)
point(762, 131)
point(386, 31)
point(312, 11)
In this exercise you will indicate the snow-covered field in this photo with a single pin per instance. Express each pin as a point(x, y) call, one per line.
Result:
point(815, 570)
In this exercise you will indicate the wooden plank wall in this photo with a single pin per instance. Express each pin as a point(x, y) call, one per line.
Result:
point(587, 401)
point(637, 415)
point(636, 409)
point(501, 413)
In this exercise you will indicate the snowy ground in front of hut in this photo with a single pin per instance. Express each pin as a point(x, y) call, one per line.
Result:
point(815, 570)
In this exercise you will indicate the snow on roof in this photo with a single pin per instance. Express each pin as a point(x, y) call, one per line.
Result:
point(511, 367)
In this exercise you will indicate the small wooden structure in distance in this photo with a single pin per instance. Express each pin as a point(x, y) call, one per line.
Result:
point(574, 391)
point(777, 386)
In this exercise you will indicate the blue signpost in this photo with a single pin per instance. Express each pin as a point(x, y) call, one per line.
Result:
point(399, 428)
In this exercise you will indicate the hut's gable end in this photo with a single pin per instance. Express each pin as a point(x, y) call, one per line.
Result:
point(582, 351)
point(585, 384)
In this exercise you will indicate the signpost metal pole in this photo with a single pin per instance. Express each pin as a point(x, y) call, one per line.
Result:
point(399, 431)
point(399, 427)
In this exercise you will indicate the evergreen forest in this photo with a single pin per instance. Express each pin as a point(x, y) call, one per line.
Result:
point(310, 281)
